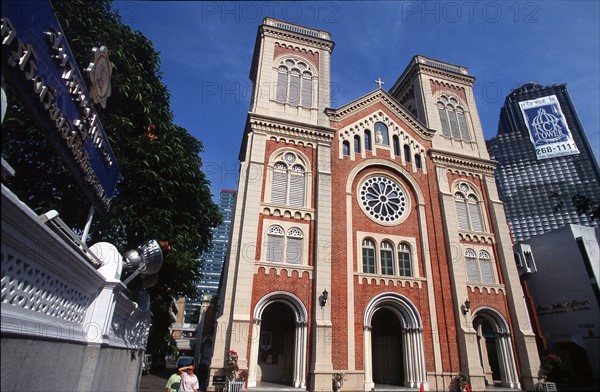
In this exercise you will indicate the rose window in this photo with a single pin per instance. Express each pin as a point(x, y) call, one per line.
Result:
point(383, 199)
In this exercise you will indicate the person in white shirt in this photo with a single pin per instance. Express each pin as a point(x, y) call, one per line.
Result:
point(189, 381)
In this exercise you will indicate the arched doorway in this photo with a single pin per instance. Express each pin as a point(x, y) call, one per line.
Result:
point(279, 340)
point(495, 349)
point(276, 347)
point(386, 343)
point(393, 343)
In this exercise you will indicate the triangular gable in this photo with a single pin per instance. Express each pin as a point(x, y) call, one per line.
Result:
point(380, 96)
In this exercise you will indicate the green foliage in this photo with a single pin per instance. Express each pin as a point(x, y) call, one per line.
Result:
point(162, 194)
point(583, 204)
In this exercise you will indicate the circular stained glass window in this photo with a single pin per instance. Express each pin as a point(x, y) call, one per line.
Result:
point(383, 199)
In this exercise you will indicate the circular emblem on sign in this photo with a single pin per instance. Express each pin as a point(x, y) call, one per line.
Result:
point(99, 73)
point(383, 200)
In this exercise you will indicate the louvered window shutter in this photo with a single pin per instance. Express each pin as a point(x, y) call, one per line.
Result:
point(282, 85)
point(297, 189)
point(464, 131)
point(472, 272)
point(475, 215)
point(444, 122)
point(454, 125)
point(487, 274)
point(274, 248)
point(294, 87)
point(461, 213)
point(486, 267)
point(293, 250)
point(279, 187)
point(306, 90)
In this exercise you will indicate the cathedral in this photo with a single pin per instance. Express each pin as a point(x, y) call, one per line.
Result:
point(369, 239)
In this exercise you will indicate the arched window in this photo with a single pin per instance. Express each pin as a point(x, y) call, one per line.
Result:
point(418, 162)
point(368, 256)
point(294, 246)
point(452, 118)
point(386, 254)
point(472, 269)
point(357, 144)
point(275, 239)
point(406, 153)
point(485, 267)
point(346, 148)
point(396, 145)
point(381, 134)
point(367, 140)
point(480, 268)
point(288, 185)
point(294, 83)
point(468, 208)
point(404, 260)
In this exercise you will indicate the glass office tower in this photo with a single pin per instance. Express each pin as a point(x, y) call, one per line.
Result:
point(213, 259)
point(544, 158)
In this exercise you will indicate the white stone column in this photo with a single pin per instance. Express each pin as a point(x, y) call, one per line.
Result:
point(300, 355)
point(254, 349)
point(368, 359)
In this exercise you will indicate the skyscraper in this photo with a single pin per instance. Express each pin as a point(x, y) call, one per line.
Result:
point(368, 239)
point(544, 158)
point(213, 259)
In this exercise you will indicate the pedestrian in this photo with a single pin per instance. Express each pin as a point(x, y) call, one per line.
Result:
point(189, 381)
point(174, 381)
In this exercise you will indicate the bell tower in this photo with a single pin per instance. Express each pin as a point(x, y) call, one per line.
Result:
point(441, 96)
point(290, 72)
point(277, 269)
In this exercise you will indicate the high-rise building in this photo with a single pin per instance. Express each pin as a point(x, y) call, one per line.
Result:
point(212, 260)
point(544, 159)
point(369, 239)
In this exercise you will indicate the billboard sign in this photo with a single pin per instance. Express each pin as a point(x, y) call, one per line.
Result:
point(37, 62)
point(548, 129)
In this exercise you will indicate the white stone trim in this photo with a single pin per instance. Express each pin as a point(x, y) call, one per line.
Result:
point(300, 342)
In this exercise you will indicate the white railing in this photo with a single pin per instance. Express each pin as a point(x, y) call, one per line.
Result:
point(51, 289)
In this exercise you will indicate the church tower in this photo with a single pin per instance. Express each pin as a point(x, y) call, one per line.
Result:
point(477, 237)
point(277, 269)
point(368, 239)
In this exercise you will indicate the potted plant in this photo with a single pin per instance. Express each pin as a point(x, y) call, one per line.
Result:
point(463, 379)
point(550, 364)
point(338, 381)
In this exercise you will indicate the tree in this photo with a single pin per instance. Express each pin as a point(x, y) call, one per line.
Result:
point(162, 194)
point(583, 204)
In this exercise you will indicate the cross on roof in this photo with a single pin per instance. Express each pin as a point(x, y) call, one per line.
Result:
point(379, 82)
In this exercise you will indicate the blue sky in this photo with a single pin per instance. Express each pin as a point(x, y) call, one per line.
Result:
point(206, 49)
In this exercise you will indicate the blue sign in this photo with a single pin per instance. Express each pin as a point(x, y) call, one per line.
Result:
point(548, 129)
point(37, 61)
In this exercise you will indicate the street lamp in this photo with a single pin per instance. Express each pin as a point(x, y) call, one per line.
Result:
point(324, 296)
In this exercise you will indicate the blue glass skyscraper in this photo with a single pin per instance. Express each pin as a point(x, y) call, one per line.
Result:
point(542, 150)
point(211, 261)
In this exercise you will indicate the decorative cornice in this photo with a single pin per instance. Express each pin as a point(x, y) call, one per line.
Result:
point(278, 127)
point(480, 238)
point(379, 95)
point(487, 288)
point(274, 32)
point(431, 71)
point(289, 269)
point(287, 212)
point(462, 162)
point(393, 281)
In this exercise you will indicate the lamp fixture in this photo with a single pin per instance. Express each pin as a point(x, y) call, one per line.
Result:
point(146, 260)
point(324, 296)
point(466, 307)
